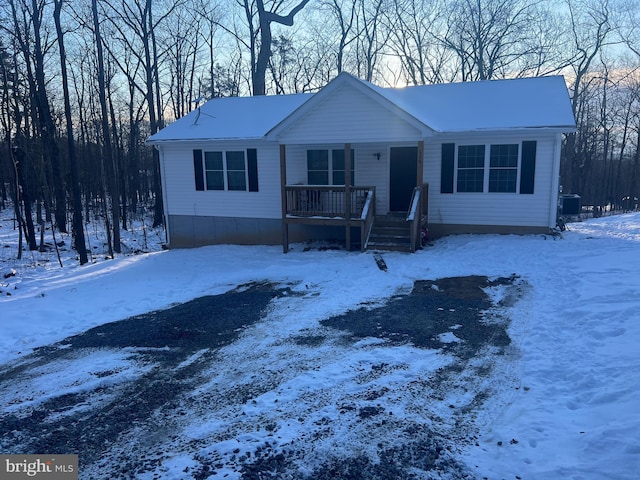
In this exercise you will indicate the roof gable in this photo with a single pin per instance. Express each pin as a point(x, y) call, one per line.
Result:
point(348, 112)
point(356, 105)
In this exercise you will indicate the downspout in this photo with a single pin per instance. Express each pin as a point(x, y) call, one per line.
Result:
point(555, 181)
point(163, 178)
point(283, 197)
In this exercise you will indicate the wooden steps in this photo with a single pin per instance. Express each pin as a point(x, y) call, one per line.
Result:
point(390, 233)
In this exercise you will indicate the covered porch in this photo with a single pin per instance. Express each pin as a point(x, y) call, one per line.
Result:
point(353, 207)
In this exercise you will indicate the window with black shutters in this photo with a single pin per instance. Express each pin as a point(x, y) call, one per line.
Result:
point(226, 170)
point(496, 168)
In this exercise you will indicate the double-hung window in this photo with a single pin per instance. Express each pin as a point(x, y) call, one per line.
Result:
point(214, 170)
point(318, 167)
point(470, 168)
point(236, 171)
point(503, 168)
point(226, 170)
point(327, 167)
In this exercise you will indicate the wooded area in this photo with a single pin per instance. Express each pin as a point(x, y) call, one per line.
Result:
point(83, 83)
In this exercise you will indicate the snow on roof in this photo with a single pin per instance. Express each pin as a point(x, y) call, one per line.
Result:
point(231, 118)
point(541, 102)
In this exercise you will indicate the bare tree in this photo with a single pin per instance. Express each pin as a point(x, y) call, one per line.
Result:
point(28, 34)
point(371, 41)
point(182, 45)
point(590, 30)
point(8, 80)
point(265, 19)
point(136, 26)
point(415, 40)
point(106, 138)
point(494, 38)
point(628, 113)
point(344, 12)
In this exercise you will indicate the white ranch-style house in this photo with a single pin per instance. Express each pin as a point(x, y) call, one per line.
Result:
point(367, 165)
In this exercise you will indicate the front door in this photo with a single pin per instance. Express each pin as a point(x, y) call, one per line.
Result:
point(403, 177)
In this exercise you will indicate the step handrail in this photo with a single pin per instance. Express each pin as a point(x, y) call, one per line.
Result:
point(367, 216)
point(414, 217)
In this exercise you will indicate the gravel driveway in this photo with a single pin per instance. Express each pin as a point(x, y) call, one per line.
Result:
point(204, 389)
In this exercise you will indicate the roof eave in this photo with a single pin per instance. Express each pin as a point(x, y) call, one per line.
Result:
point(210, 139)
point(544, 129)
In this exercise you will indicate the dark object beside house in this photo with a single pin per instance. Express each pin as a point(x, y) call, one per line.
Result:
point(570, 204)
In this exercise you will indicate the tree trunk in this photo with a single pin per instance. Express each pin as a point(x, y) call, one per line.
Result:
point(108, 150)
point(47, 127)
point(264, 54)
point(77, 227)
point(19, 157)
point(154, 124)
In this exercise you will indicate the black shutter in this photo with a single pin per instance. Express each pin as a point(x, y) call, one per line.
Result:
point(528, 168)
point(252, 169)
point(447, 167)
point(198, 169)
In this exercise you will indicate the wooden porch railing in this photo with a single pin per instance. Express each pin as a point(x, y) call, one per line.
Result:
point(328, 205)
point(367, 217)
point(417, 215)
point(331, 205)
point(325, 201)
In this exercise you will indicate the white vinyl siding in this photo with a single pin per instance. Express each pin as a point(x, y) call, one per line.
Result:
point(183, 199)
point(373, 171)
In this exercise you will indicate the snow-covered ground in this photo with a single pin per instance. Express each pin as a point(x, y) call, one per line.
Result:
point(569, 407)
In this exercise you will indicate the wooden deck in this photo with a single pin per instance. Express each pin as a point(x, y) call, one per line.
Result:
point(351, 207)
point(329, 205)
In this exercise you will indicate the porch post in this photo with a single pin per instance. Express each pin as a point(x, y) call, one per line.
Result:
point(283, 196)
point(420, 181)
point(347, 193)
point(420, 172)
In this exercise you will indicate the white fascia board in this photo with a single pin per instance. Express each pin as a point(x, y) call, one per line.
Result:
point(506, 132)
